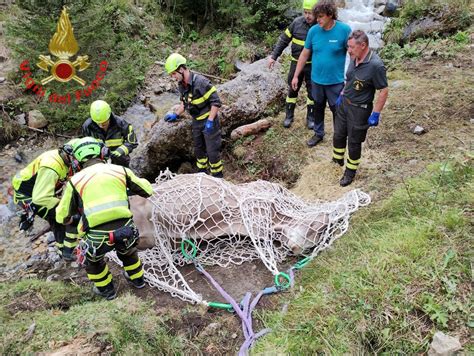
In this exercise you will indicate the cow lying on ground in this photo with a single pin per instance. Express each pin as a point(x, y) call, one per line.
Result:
point(202, 207)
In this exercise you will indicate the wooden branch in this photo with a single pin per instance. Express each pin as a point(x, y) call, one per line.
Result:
point(250, 129)
point(35, 237)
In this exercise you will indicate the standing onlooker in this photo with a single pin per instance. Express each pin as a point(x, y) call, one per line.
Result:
point(328, 45)
point(296, 34)
point(198, 97)
point(356, 112)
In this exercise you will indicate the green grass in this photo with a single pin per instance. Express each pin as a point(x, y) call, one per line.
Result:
point(401, 273)
point(63, 313)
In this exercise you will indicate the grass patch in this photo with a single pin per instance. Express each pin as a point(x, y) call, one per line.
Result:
point(401, 273)
point(63, 313)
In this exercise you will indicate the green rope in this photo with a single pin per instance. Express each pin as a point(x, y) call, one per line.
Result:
point(193, 249)
point(285, 277)
point(225, 306)
point(302, 263)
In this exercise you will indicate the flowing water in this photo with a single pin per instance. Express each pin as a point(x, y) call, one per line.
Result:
point(360, 15)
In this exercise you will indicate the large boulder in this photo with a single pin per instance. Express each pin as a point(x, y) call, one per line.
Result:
point(36, 119)
point(245, 99)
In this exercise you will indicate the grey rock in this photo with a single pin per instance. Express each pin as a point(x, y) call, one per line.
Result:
point(472, 121)
point(444, 345)
point(5, 213)
point(379, 10)
point(21, 119)
point(36, 119)
point(418, 130)
point(244, 99)
point(2, 79)
point(50, 238)
point(74, 265)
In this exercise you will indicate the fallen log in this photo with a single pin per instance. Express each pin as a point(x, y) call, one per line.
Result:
point(250, 129)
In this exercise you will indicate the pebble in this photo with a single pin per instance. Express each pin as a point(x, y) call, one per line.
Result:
point(2, 79)
point(234, 336)
point(418, 130)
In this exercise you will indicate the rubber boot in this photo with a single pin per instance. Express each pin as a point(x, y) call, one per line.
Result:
point(310, 117)
point(290, 114)
point(347, 178)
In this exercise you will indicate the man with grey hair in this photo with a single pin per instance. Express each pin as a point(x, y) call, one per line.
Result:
point(356, 111)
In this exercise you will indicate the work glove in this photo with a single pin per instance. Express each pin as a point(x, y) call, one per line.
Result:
point(171, 116)
point(209, 126)
point(373, 119)
point(115, 154)
point(339, 100)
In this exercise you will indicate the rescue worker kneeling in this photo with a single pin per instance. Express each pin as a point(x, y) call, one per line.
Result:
point(36, 190)
point(99, 193)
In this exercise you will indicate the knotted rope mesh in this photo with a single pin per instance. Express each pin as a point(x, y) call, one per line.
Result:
point(233, 223)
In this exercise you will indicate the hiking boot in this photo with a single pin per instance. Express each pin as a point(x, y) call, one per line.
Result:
point(108, 294)
point(290, 114)
point(347, 178)
point(313, 141)
point(338, 161)
point(138, 283)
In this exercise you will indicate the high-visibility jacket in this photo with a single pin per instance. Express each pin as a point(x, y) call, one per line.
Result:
point(119, 136)
point(41, 177)
point(296, 34)
point(198, 96)
point(99, 193)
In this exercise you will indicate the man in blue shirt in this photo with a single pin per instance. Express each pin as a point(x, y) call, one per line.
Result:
point(327, 43)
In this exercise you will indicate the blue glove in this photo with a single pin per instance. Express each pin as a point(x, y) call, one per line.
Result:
point(339, 100)
point(171, 116)
point(209, 126)
point(374, 119)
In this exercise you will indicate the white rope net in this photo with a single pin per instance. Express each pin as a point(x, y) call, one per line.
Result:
point(231, 223)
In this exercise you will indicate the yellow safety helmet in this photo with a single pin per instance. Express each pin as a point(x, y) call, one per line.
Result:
point(309, 4)
point(86, 148)
point(173, 62)
point(100, 111)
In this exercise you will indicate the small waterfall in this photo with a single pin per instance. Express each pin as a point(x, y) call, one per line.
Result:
point(360, 15)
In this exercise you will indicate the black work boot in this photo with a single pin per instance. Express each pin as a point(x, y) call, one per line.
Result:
point(138, 283)
point(347, 178)
point(290, 114)
point(108, 292)
point(310, 117)
point(338, 161)
point(313, 141)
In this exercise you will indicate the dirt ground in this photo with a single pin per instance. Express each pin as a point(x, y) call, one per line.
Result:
point(434, 93)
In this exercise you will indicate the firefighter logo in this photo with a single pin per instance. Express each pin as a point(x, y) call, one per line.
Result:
point(63, 45)
point(358, 84)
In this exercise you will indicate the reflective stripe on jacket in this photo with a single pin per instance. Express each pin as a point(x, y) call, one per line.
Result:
point(38, 179)
point(99, 193)
point(296, 34)
point(119, 136)
point(199, 96)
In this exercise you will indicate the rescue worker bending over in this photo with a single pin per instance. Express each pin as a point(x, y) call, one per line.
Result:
point(117, 134)
point(296, 34)
point(37, 188)
point(199, 97)
point(99, 193)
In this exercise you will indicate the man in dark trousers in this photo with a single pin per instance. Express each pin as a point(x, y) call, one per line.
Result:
point(99, 193)
point(116, 133)
point(326, 43)
point(198, 97)
point(356, 111)
point(296, 34)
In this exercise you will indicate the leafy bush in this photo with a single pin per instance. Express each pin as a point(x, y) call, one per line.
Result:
point(453, 14)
